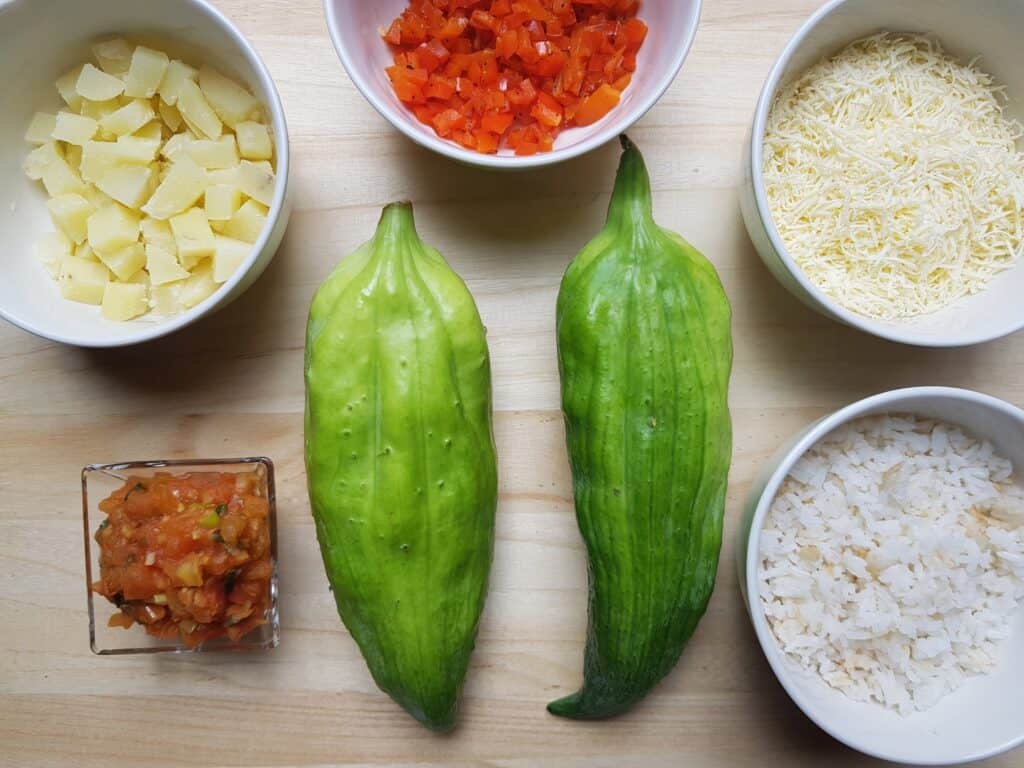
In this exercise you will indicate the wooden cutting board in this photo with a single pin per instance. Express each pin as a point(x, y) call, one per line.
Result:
point(232, 386)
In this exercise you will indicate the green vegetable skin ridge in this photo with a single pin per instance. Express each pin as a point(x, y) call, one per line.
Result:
point(401, 462)
point(645, 355)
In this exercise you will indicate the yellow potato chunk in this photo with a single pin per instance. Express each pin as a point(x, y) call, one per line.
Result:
point(158, 234)
point(194, 237)
point(146, 72)
point(125, 262)
point(223, 176)
point(85, 251)
point(73, 156)
point(40, 130)
point(66, 87)
point(233, 103)
point(153, 131)
point(59, 178)
point(52, 248)
point(171, 116)
point(74, 129)
point(124, 301)
point(166, 299)
point(213, 155)
point(114, 55)
point(39, 158)
point(256, 182)
point(112, 228)
point(70, 213)
point(96, 198)
point(222, 200)
point(96, 85)
point(129, 118)
point(254, 141)
point(162, 266)
point(177, 73)
point(99, 157)
point(179, 190)
point(196, 111)
point(199, 286)
point(247, 223)
point(228, 257)
point(130, 185)
point(82, 281)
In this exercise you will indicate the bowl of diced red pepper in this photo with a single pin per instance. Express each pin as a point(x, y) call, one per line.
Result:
point(512, 83)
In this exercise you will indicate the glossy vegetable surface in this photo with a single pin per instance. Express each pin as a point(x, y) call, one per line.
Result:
point(515, 73)
point(401, 463)
point(645, 355)
point(187, 555)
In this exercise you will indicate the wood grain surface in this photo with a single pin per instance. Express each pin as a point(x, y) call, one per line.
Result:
point(233, 386)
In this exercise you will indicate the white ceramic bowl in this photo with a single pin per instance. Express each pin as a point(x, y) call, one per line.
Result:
point(966, 28)
point(984, 717)
point(39, 41)
point(355, 27)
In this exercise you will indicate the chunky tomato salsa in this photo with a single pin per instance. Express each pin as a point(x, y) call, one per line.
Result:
point(187, 556)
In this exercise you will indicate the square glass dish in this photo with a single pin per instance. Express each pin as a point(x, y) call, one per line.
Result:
point(193, 537)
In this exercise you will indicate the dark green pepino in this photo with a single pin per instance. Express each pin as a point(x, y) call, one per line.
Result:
point(645, 355)
point(401, 463)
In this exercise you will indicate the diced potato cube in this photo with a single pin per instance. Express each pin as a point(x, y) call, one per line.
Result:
point(83, 281)
point(52, 249)
point(233, 103)
point(112, 228)
point(70, 213)
point(124, 301)
point(177, 73)
point(224, 176)
point(130, 185)
point(59, 178)
point(222, 200)
point(179, 191)
point(247, 223)
point(96, 85)
point(125, 262)
point(39, 158)
point(74, 129)
point(66, 87)
point(194, 237)
point(85, 251)
point(228, 256)
point(197, 113)
point(98, 157)
point(175, 144)
point(141, 277)
point(219, 227)
point(113, 55)
point(171, 116)
point(163, 267)
point(146, 72)
point(255, 182)
point(158, 234)
point(129, 118)
point(166, 299)
point(40, 130)
point(221, 153)
point(254, 141)
point(199, 286)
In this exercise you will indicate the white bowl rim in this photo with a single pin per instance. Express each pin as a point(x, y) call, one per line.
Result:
point(281, 150)
point(505, 162)
point(814, 434)
point(866, 324)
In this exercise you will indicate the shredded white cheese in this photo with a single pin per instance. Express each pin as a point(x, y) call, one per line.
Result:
point(894, 178)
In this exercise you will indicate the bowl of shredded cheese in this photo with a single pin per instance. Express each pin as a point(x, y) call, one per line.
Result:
point(884, 172)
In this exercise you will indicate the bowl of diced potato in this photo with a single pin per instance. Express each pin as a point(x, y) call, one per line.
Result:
point(145, 157)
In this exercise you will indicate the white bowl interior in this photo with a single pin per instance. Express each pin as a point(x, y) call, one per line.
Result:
point(986, 715)
point(356, 27)
point(986, 28)
point(39, 41)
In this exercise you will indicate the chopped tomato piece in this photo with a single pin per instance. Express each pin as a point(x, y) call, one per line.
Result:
point(513, 73)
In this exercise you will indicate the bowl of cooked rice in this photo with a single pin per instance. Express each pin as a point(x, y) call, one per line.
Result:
point(882, 563)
